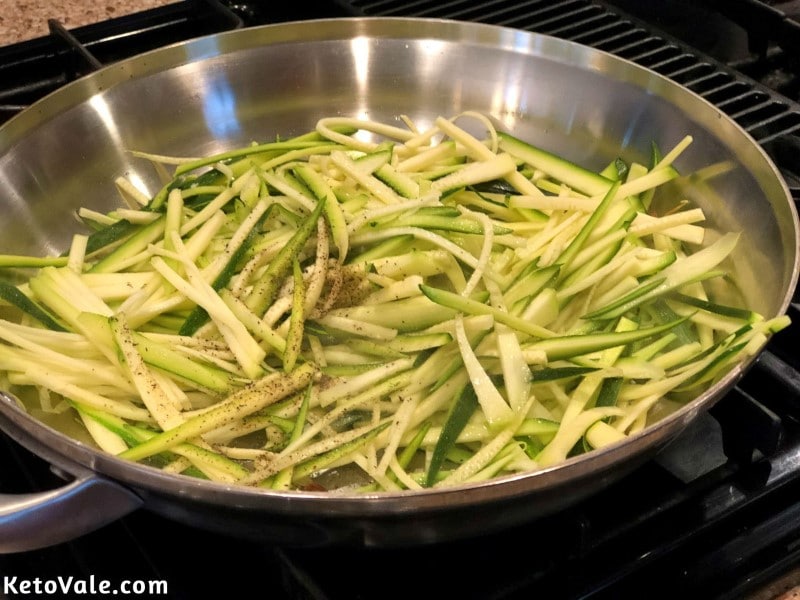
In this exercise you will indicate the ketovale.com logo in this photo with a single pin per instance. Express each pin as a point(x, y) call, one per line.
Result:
point(73, 586)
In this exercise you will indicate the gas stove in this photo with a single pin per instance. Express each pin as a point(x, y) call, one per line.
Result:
point(714, 515)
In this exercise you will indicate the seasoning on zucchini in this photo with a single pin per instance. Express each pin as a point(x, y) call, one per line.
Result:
point(371, 307)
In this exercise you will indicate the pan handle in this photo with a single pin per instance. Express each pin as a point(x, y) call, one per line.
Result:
point(37, 520)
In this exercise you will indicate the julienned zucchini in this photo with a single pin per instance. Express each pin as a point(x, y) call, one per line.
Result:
point(379, 311)
point(555, 167)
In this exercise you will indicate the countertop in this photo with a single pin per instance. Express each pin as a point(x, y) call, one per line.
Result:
point(26, 19)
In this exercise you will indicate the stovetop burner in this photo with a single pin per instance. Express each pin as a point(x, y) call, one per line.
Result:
point(713, 516)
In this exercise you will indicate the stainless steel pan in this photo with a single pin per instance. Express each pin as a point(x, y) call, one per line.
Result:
point(225, 90)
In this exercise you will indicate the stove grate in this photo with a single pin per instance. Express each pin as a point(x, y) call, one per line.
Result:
point(32, 69)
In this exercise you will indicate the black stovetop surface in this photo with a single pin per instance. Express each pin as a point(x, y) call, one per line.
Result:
point(715, 515)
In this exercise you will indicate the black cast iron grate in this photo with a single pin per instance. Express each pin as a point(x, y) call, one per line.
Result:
point(32, 69)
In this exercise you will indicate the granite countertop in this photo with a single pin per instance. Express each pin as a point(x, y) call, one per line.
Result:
point(27, 19)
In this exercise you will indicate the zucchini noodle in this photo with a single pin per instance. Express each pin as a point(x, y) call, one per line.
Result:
point(372, 308)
